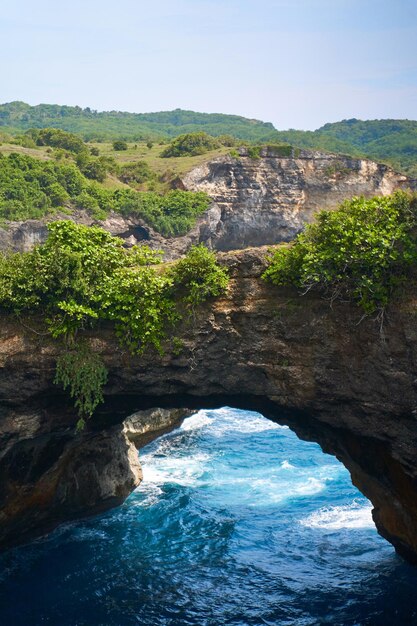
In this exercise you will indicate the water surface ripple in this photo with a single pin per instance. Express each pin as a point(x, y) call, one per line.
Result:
point(236, 522)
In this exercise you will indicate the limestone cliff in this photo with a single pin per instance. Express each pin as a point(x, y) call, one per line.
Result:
point(255, 201)
point(297, 360)
point(268, 199)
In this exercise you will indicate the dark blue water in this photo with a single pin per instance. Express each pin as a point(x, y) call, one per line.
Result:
point(237, 522)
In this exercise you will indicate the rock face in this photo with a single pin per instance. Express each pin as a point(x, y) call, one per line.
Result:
point(50, 474)
point(255, 201)
point(269, 199)
point(145, 426)
point(295, 359)
point(52, 477)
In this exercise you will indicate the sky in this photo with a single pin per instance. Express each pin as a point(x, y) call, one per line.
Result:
point(295, 63)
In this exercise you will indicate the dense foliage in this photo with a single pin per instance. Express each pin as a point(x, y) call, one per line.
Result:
point(171, 214)
point(136, 173)
point(391, 141)
point(56, 138)
point(82, 276)
point(119, 144)
point(31, 188)
point(134, 126)
point(190, 144)
point(198, 276)
point(362, 252)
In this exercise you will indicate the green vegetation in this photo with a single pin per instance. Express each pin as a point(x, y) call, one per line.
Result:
point(198, 276)
point(173, 214)
point(119, 145)
point(82, 276)
point(31, 188)
point(362, 252)
point(54, 138)
point(254, 152)
point(136, 173)
point(84, 374)
point(190, 144)
point(93, 125)
point(391, 141)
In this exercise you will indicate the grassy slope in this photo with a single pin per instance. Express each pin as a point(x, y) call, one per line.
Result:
point(168, 169)
point(172, 167)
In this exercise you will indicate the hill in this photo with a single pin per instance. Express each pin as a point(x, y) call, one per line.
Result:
point(90, 124)
point(390, 141)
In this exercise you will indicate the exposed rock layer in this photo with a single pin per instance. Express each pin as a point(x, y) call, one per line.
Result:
point(269, 199)
point(297, 360)
point(255, 201)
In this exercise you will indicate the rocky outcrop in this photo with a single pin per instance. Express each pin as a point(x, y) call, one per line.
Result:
point(50, 474)
point(52, 477)
point(269, 199)
point(255, 201)
point(145, 426)
point(331, 378)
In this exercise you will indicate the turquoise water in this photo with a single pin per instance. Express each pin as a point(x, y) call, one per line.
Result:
point(236, 522)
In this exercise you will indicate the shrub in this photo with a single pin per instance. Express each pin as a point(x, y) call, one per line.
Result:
point(171, 214)
point(119, 145)
point(70, 277)
point(138, 172)
point(190, 144)
point(198, 277)
point(254, 152)
point(362, 252)
point(82, 276)
point(56, 138)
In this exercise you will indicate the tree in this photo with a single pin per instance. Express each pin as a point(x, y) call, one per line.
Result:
point(119, 144)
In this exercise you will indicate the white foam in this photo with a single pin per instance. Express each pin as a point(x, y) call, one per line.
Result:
point(184, 471)
point(198, 420)
point(352, 515)
point(228, 420)
point(309, 488)
point(287, 465)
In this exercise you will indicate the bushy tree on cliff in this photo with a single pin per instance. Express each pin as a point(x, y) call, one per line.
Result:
point(363, 252)
point(190, 144)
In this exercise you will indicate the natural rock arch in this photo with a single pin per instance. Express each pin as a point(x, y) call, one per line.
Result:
point(292, 358)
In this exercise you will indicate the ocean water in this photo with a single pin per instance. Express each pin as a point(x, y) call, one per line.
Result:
point(236, 522)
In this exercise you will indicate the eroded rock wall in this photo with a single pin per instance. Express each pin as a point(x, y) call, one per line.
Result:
point(269, 199)
point(51, 474)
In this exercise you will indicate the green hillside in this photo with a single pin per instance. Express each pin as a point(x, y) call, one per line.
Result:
point(18, 116)
point(390, 141)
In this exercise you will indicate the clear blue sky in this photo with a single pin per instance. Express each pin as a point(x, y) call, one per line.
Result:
point(297, 63)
